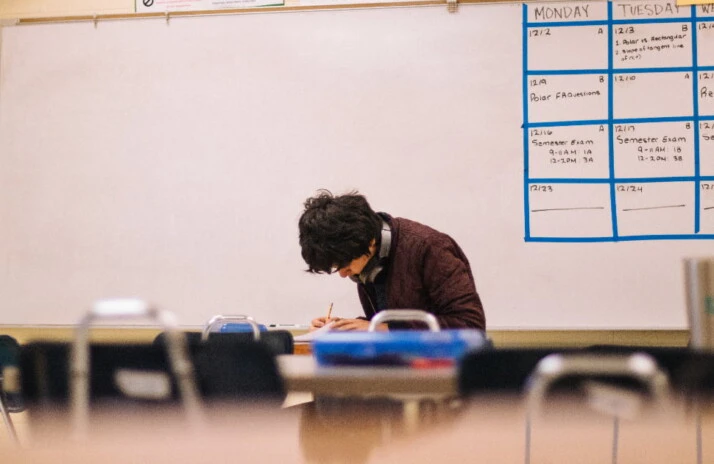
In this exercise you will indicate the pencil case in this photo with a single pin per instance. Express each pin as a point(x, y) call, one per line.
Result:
point(399, 348)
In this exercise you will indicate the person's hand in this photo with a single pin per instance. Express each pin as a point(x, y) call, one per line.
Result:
point(355, 324)
point(320, 322)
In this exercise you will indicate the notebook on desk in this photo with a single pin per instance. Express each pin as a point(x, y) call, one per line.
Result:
point(310, 336)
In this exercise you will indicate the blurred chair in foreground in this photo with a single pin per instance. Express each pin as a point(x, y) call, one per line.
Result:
point(617, 385)
point(10, 399)
point(62, 378)
point(239, 328)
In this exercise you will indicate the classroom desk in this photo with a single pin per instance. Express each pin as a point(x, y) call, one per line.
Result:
point(302, 374)
point(422, 393)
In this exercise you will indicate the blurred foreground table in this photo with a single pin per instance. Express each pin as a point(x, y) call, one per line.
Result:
point(489, 430)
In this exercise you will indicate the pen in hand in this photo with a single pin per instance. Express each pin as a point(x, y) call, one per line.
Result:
point(329, 313)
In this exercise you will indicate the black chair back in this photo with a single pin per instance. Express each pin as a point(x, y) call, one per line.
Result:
point(45, 372)
point(277, 341)
point(229, 369)
point(10, 358)
point(500, 370)
point(139, 374)
point(690, 372)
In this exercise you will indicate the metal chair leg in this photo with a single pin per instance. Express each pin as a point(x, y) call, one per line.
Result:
point(6, 417)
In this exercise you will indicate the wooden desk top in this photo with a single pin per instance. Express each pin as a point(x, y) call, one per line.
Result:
point(491, 431)
point(302, 374)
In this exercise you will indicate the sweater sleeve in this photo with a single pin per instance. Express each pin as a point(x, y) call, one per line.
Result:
point(450, 286)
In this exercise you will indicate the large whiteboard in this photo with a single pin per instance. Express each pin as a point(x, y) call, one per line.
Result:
point(169, 161)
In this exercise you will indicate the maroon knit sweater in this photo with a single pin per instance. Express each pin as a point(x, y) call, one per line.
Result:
point(427, 270)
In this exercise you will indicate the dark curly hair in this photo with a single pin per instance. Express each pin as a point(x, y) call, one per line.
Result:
point(334, 230)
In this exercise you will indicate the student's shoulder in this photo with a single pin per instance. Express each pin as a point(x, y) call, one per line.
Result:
point(418, 233)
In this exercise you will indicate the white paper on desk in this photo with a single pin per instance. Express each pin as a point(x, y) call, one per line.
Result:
point(310, 336)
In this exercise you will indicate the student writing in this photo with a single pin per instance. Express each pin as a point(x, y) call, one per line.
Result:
point(395, 262)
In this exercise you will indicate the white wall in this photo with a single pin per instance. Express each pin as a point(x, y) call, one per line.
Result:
point(43, 8)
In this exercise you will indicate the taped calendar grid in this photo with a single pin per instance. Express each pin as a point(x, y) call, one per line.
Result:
point(612, 180)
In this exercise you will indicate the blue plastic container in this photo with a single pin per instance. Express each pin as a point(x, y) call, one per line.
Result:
point(401, 348)
point(239, 327)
